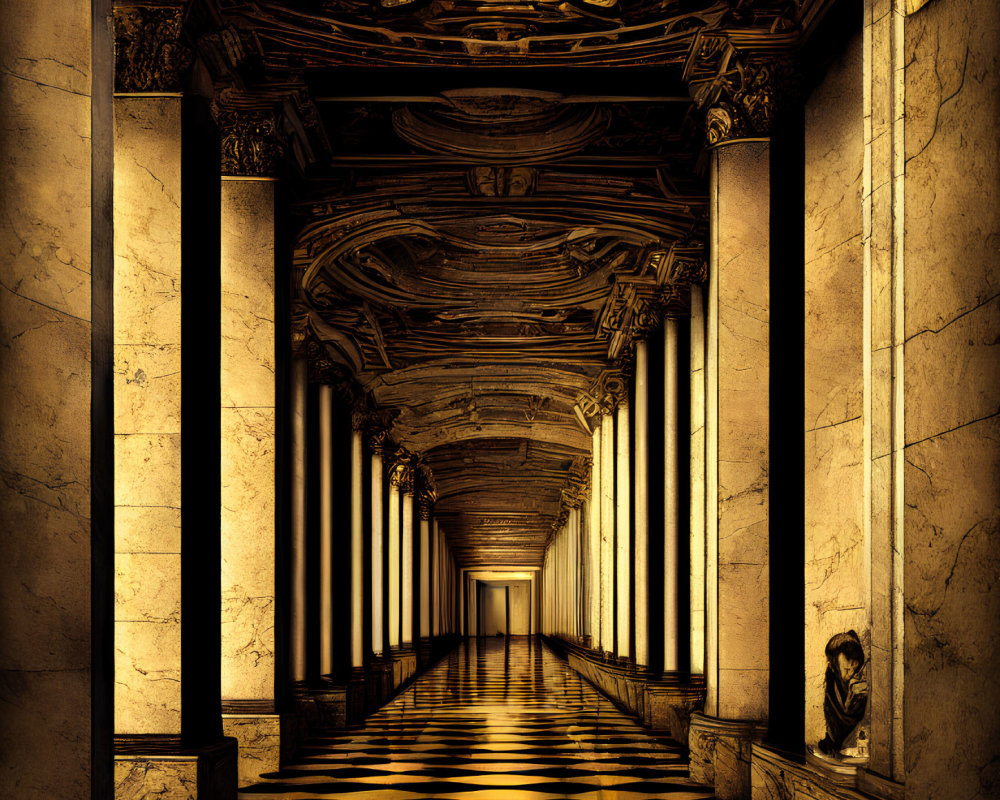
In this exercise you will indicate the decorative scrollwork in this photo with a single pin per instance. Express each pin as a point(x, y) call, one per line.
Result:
point(149, 53)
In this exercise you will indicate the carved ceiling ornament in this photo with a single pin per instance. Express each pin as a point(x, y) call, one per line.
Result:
point(149, 54)
point(251, 142)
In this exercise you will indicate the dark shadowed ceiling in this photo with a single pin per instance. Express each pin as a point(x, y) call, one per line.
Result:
point(495, 199)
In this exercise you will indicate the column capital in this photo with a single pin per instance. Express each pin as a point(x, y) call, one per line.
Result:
point(426, 493)
point(742, 99)
point(401, 470)
point(252, 145)
point(578, 484)
point(149, 54)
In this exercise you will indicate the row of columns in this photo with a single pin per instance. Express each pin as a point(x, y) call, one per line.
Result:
point(206, 575)
point(598, 564)
point(712, 580)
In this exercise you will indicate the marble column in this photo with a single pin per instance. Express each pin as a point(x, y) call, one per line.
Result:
point(671, 501)
point(406, 566)
point(376, 533)
point(147, 336)
point(325, 530)
point(641, 503)
point(167, 724)
point(56, 425)
point(297, 607)
point(436, 586)
point(607, 431)
point(574, 572)
point(392, 556)
point(623, 533)
point(249, 694)
point(697, 481)
point(357, 550)
point(737, 469)
point(594, 542)
point(425, 571)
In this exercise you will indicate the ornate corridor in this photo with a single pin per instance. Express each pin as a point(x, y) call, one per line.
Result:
point(499, 399)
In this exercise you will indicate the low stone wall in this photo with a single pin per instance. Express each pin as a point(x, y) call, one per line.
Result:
point(662, 702)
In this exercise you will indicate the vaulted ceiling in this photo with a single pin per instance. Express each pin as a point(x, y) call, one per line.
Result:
point(494, 199)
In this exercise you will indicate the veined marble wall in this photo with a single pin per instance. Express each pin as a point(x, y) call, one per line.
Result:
point(951, 396)
point(45, 393)
point(147, 383)
point(836, 586)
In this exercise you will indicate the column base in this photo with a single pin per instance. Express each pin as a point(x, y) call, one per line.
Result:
point(267, 740)
point(778, 775)
point(720, 752)
point(158, 766)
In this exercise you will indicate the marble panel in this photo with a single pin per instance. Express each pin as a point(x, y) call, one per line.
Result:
point(247, 293)
point(148, 470)
point(147, 385)
point(952, 401)
point(835, 581)
point(148, 587)
point(147, 529)
point(45, 341)
point(834, 383)
point(147, 220)
point(247, 643)
point(147, 677)
point(834, 155)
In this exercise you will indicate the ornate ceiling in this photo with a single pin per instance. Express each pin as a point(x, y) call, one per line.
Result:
point(494, 199)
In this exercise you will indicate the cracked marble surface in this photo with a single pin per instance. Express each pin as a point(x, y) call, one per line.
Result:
point(45, 366)
point(743, 374)
point(952, 400)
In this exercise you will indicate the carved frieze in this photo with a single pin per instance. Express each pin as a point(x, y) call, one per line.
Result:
point(251, 144)
point(502, 181)
point(150, 55)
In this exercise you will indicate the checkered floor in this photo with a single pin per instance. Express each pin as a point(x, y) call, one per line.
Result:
point(495, 720)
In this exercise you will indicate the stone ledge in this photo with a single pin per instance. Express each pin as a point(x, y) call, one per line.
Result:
point(779, 775)
point(158, 766)
point(659, 701)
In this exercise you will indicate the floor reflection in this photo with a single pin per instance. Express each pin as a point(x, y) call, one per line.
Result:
point(497, 720)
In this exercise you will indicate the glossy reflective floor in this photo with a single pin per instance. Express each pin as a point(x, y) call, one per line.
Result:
point(495, 720)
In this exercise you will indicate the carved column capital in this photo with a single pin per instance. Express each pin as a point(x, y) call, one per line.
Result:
point(743, 100)
point(149, 54)
point(251, 142)
point(426, 495)
point(401, 470)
